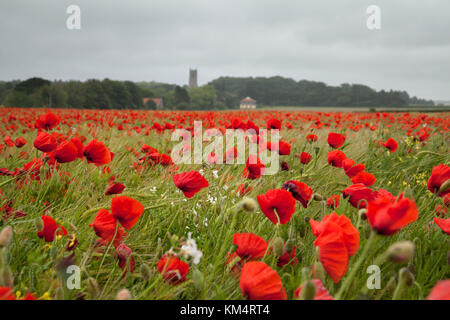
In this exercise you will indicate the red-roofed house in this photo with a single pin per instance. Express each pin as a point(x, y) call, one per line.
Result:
point(248, 103)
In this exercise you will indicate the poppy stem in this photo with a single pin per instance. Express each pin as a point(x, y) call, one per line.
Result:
point(7, 181)
point(107, 250)
point(356, 266)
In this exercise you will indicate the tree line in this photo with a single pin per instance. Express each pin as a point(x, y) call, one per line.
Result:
point(222, 93)
point(279, 91)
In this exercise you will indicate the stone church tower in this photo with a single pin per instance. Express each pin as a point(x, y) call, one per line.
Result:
point(193, 78)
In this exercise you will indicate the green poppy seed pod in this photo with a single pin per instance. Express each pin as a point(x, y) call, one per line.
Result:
point(6, 278)
point(59, 295)
point(444, 187)
point(319, 271)
point(248, 205)
point(317, 197)
point(406, 277)
point(123, 294)
point(93, 288)
point(199, 279)
point(400, 251)
point(290, 244)
point(308, 291)
point(278, 246)
point(5, 236)
point(316, 150)
point(38, 224)
point(146, 272)
point(306, 273)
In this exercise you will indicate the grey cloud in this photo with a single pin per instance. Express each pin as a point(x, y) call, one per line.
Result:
point(160, 39)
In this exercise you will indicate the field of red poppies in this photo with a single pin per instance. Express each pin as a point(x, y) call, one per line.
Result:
point(93, 206)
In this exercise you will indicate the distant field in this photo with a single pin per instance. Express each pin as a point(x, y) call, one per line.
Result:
point(360, 109)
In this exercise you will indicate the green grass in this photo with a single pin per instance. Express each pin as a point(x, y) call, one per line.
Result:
point(213, 223)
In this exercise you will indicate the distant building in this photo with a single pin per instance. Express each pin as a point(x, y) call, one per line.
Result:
point(158, 102)
point(248, 103)
point(193, 78)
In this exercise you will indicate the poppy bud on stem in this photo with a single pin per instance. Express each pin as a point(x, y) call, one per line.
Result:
point(319, 271)
point(248, 204)
point(199, 279)
point(123, 294)
point(444, 187)
point(146, 272)
point(5, 236)
point(308, 291)
point(400, 251)
point(278, 246)
point(317, 197)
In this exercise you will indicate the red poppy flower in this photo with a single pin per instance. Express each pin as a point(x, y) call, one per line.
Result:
point(96, 152)
point(66, 152)
point(105, 226)
point(311, 138)
point(126, 210)
point(353, 171)
point(6, 294)
point(358, 195)
point(447, 200)
point(79, 145)
point(249, 246)
point(333, 201)
point(285, 166)
point(321, 292)
point(283, 148)
point(287, 257)
point(444, 224)
point(242, 190)
point(45, 142)
point(439, 176)
point(300, 191)
point(304, 157)
point(278, 205)
point(20, 142)
point(190, 182)
point(365, 178)
point(115, 188)
point(47, 121)
point(336, 140)
point(390, 144)
point(273, 124)
point(337, 240)
point(254, 168)
point(172, 269)
point(125, 257)
point(387, 217)
point(50, 229)
point(335, 158)
point(8, 141)
point(259, 282)
point(441, 291)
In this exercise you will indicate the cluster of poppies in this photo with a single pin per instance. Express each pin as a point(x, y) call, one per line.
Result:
point(335, 237)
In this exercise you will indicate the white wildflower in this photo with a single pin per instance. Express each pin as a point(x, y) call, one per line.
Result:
point(190, 250)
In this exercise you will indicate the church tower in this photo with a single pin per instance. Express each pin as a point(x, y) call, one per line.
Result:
point(193, 78)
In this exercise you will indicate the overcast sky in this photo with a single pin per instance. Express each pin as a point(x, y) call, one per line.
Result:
point(145, 40)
